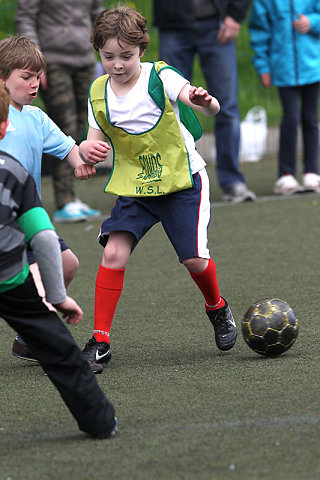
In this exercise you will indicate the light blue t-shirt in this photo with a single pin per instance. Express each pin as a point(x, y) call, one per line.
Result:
point(30, 134)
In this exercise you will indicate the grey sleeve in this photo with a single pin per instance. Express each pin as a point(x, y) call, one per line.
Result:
point(46, 249)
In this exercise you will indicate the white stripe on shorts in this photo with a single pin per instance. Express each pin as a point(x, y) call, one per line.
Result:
point(204, 215)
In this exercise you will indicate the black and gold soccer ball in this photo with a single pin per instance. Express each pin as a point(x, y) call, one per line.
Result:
point(270, 327)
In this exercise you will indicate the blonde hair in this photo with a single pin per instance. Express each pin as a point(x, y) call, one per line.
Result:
point(4, 102)
point(19, 52)
point(123, 23)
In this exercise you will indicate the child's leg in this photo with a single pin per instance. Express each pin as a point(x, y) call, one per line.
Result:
point(60, 357)
point(309, 121)
point(70, 264)
point(109, 282)
point(289, 98)
point(109, 285)
point(203, 273)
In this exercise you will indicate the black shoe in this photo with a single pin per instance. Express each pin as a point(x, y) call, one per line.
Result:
point(109, 433)
point(224, 327)
point(97, 353)
point(21, 350)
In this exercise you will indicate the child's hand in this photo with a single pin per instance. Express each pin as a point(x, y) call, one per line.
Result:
point(93, 151)
point(84, 171)
point(199, 99)
point(200, 96)
point(70, 310)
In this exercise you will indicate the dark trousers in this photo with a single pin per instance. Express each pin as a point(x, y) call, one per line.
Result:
point(290, 98)
point(218, 63)
point(60, 357)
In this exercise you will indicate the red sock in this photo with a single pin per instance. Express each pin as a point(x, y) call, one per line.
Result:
point(208, 284)
point(109, 285)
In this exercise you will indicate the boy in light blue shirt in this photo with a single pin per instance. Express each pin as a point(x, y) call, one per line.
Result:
point(30, 134)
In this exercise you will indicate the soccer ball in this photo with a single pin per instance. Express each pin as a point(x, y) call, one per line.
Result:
point(270, 327)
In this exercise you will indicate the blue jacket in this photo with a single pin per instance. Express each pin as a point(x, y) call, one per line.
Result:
point(290, 57)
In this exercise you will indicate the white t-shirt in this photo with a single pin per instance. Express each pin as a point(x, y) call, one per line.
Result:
point(136, 112)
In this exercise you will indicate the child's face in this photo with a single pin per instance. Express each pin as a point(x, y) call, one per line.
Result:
point(120, 61)
point(23, 85)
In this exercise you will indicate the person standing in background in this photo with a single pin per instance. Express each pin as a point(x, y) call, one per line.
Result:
point(62, 31)
point(285, 37)
point(209, 28)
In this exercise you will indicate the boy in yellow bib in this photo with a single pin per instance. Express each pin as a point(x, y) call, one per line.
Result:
point(144, 110)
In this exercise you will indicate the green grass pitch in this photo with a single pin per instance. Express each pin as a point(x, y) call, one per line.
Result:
point(186, 410)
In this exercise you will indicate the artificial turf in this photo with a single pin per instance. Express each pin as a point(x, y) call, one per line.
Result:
point(186, 410)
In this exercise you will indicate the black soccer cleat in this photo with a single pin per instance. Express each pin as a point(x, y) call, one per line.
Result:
point(97, 354)
point(224, 327)
point(108, 433)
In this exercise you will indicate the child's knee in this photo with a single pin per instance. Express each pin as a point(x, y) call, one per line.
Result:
point(115, 256)
point(70, 266)
point(111, 253)
point(196, 264)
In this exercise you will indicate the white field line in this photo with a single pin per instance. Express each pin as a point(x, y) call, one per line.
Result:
point(268, 198)
point(285, 421)
point(223, 425)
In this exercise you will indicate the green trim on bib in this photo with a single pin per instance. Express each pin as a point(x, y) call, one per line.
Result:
point(187, 115)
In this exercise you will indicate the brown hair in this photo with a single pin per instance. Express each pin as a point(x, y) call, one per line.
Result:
point(19, 52)
point(123, 23)
point(4, 102)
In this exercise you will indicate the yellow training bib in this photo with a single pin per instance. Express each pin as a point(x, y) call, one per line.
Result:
point(151, 163)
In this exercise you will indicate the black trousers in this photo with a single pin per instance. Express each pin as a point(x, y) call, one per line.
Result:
point(60, 357)
point(293, 114)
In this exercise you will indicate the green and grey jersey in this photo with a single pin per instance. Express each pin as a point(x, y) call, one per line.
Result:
point(21, 218)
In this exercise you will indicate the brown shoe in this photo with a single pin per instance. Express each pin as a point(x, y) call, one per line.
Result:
point(97, 354)
point(21, 350)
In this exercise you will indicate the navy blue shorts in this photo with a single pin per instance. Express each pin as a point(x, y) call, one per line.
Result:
point(185, 216)
point(31, 259)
